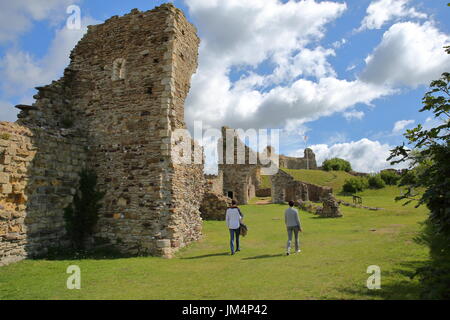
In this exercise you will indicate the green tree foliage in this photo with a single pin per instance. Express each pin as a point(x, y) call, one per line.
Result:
point(376, 182)
point(409, 178)
point(390, 177)
point(355, 184)
point(429, 157)
point(336, 164)
point(81, 216)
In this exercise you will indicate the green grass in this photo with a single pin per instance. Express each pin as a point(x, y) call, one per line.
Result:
point(334, 179)
point(265, 182)
point(333, 264)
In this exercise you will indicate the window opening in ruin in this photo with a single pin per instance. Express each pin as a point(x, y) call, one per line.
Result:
point(230, 194)
point(118, 69)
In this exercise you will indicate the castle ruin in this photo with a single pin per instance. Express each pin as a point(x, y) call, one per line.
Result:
point(113, 111)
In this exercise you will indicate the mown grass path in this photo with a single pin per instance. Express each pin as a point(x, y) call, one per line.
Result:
point(336, 254)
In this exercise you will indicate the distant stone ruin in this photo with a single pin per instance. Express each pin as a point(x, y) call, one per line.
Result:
point(308, 162)
point(113, 111)
point(285, 188)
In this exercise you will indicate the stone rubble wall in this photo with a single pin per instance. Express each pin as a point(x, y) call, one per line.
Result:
point(38, 173)
point(214, 206)
point(317, 193)
point(242, 179)
point(114, 111)
point(308, 161)
point(286, 188)
point(330, 208)
point(214, 183)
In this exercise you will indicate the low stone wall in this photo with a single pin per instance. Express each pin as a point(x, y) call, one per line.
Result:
point(213, 206)
point(285, 188)
point(317, 193)
point(347, 204)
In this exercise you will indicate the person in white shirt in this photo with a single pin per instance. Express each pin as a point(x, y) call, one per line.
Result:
point(233, 219)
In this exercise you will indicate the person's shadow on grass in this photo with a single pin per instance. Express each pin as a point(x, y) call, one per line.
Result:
point(264, 256)
point(208, 255)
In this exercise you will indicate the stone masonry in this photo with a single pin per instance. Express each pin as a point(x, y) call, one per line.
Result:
point(240, 180)
point(114, 111)
point(286, 188)
point(307, 162)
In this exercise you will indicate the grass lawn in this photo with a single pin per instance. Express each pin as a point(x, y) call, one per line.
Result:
point(333, 264)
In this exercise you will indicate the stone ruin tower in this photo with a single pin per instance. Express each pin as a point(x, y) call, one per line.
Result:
point(113, 111)
point(240, 180)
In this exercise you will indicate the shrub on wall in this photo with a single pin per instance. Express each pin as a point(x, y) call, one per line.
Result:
point(337, 164)
point(81, 216)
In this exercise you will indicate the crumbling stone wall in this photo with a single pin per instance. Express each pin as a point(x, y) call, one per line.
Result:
point(307, 162)
point(38, 172)
point(240, 181)
point(286, 188)
point(214, 183)
point(214, 206)
point(330, 208)
point(114, 111)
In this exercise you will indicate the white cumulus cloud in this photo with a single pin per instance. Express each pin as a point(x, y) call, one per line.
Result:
point(17, 17)
point(298, 84)
point(409, 54)
point(380, 12)
point(21, 71)
point(400, 125)
point(364, 155)
point(350, 115)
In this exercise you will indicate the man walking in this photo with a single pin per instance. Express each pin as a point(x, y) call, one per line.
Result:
point(293, 226)
point(233, 218)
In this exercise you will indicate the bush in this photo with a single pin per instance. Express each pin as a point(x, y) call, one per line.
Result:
point(356, 184)
point(390, 177)
point(376, 182)
point(408, 178)
point(336, 164)
point(81, 216)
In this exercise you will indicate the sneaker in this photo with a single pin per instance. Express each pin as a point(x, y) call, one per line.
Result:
point(287, 253)
point(298, 251)
point(238, 250)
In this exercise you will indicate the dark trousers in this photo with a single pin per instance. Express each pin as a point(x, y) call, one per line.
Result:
point(233, 233)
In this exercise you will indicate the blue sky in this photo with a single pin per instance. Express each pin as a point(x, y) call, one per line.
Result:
point(348, 74)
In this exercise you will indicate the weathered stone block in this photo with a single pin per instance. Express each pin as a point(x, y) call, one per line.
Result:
point(165, 243)
point(4, 177)
point(6, 188)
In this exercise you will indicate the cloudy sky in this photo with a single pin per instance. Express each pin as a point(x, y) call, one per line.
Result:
point(350, 75)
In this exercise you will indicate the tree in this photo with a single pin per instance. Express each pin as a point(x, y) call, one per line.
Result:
point(390, 177)
point(376, 182)
point(429, 159)
point(355, 184)
point(336, 164)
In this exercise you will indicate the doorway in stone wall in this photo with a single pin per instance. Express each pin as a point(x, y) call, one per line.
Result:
point(289, 193)
point(230, 194)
